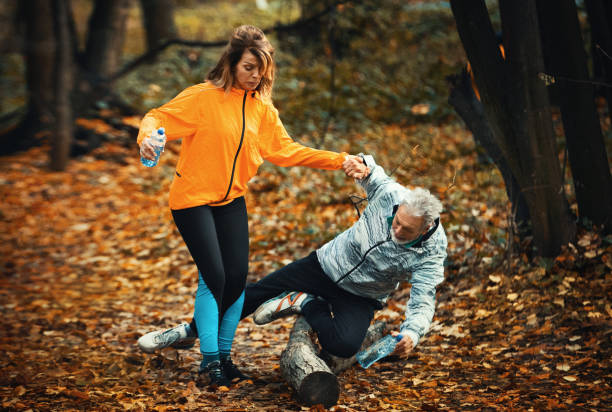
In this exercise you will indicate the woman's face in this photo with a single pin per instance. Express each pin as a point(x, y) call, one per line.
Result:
point(247, 74)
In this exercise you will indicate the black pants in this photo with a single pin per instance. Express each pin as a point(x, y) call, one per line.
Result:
point(218, 239)
point(341, 321)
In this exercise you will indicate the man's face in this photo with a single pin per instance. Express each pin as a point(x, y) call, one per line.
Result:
point(247, 73)
point(405, 227)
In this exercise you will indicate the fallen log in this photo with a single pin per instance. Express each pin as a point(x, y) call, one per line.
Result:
point(315, 381)
point(309, 375)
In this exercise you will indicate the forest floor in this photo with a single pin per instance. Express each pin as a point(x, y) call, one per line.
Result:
point(90, 260)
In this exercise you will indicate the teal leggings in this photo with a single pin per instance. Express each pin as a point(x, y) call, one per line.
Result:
point(215, 337)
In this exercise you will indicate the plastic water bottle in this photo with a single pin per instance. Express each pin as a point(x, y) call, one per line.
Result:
point(380, 349)
point(159, 141)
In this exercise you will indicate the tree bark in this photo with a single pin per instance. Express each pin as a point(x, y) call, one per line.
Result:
point(566, 58)
point(463, 99)
point(158, 20)
point(39, 59)
point(313, 374)
point(106, 33)
point(60, 144)
point(308, 374)
point(516, 105)
point(599, 14)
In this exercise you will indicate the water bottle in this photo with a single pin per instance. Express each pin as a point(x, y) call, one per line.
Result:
point(380, 349)
point(159, 141)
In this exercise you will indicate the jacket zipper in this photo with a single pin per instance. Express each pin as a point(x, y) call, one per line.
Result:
point(362, 260)
point(237, 151)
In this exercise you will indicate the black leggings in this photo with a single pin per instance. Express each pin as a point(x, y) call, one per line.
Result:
point(218, 239)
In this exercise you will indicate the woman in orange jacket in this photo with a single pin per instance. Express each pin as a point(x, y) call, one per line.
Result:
point(228, 126)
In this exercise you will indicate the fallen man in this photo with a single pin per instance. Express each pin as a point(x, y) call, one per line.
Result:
point(338, 287)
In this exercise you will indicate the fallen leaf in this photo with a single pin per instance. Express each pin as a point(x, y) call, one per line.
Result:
point(570, 378)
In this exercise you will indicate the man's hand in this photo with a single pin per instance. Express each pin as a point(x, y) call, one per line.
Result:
point(354, 167)
point(146, 149)
point(403, 347)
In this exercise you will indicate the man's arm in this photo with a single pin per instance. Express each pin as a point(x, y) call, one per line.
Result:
point(375, 176)
point(421, 305)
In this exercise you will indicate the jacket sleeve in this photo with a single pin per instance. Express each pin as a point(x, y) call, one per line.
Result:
point(421, 305)
point(376, 180)
point(278, 147)
point(179, 117)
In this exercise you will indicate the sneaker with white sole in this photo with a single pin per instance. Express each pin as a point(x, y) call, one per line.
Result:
point(285, 304)
point(179, 337)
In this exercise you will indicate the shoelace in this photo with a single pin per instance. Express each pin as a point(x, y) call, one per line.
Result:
point(167, 337)
point(215, 373)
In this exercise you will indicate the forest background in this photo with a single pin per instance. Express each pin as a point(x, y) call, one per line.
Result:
point(90, 258)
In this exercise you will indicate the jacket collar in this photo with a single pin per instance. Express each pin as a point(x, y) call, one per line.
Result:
point(240, 92)
point(236, 91)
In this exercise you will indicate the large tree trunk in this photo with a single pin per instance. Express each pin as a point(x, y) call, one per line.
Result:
point(540, 179)
point(516, 104)
point(565, 57)
point(60, 144)
point(106, 32)
point(103, 49)
point(158, 20)
point(39, 59)
point(600, 18)
point(470, 109)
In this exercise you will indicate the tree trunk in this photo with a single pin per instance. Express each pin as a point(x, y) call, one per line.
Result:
point(39, 59)
point(541, 179)
point(60, 145)
point(565, 57)
point(158, 20)
point(313, 374)
point(106, 32)
point(516, 104)
point(599, 13)
point(309, 375)
point(463, 99)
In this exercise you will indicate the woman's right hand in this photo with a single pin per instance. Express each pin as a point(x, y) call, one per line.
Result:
point(146, 149)
point(354, 167)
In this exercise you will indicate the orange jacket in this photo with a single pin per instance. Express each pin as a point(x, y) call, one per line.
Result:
point(226, 137)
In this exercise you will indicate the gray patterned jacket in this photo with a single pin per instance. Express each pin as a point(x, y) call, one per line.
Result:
point(365, 261)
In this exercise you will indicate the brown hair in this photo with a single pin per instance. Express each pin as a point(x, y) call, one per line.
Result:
point(254, 40)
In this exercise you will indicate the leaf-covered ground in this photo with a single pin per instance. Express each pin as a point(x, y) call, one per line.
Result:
point(90, 260)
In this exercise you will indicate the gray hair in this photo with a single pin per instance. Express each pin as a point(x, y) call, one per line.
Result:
point(420, 202)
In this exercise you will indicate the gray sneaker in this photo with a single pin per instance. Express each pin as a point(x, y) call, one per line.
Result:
point(285, 304)
point(178, 337)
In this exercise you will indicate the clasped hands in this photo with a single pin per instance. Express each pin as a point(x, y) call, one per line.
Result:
point(354, 167)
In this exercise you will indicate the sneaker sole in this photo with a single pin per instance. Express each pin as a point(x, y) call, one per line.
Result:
point(274, 315)
point(146, 350)
point(184, 345)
